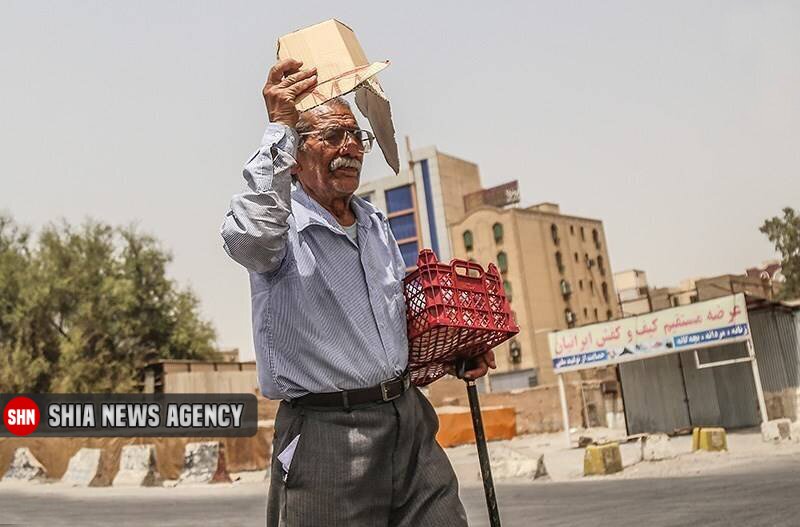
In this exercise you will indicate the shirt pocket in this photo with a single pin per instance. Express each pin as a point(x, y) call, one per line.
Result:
point(399, 301)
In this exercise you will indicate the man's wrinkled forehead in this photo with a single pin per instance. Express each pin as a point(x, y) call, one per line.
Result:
point(333, 115)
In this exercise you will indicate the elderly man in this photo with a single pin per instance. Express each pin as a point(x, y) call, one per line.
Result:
point(354, 443)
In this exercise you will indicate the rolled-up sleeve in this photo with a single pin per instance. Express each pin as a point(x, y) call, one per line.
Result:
point(255, 228)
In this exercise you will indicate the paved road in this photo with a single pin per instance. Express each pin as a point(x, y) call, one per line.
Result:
point(759, 495)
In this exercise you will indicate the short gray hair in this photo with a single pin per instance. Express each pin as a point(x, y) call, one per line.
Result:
point(304, 124)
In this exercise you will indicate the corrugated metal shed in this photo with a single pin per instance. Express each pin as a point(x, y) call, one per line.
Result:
point(669, 392)
point(775, 337)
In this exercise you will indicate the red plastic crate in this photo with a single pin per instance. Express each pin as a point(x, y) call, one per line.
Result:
point(454, 310)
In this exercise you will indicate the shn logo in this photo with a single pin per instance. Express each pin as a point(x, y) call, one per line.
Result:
point(21, 416)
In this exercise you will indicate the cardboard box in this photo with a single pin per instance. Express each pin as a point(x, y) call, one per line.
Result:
point(342, 67)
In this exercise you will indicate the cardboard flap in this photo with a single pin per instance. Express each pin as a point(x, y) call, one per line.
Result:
point(372, 102)
point(339, 85)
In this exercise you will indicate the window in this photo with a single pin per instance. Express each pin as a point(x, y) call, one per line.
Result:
point(569, 316)
point(572, 230)
point(604, 289)
point(398, 199)
point(576, 257)
point(507, 288)
point(502, 261)
point(595, 314)
point(585, 313)
point(497, 230)
point(609, 314)
point(410, 252)
point(591, 286)
point(583, 235)
point(601, 265)
point(559, 262)
point(468, 240)
point(403, 227)
point(403, 221)
point(554, 233)
point(596, 238)
point(580, 285)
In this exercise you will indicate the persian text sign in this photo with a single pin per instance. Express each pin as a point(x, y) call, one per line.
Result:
point(499, 196)
point(710, 323)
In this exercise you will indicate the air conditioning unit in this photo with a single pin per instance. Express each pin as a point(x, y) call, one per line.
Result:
point(515, 352)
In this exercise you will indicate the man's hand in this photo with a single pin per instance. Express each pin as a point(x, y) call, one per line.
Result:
point(483, 363)
point(285, 83)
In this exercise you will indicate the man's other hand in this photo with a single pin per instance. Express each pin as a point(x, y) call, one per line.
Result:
point(482, 364)
point(285, 84)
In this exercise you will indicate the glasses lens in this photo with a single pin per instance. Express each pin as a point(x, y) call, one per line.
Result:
point(333, 136)
point(365, 137)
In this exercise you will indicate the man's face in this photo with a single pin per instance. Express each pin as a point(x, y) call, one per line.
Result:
point(322, 166)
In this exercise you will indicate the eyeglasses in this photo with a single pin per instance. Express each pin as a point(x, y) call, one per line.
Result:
point(335, 136)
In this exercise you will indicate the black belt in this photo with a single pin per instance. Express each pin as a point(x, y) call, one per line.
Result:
point(386, 391)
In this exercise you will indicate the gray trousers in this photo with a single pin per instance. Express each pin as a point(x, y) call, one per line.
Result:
point(378, 465)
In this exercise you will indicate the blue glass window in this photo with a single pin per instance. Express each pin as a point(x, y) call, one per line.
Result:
point(410, 252)
point(399, 199)
point(403, 227)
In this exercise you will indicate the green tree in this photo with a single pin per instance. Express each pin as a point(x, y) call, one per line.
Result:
point(785, 234)
point(25, 332)
point(85, 308)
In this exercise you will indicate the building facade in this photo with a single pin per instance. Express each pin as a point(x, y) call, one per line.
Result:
point(555, 267)
point(555, 271)
point(635, 296)
point(420, 203)
point(633, 293)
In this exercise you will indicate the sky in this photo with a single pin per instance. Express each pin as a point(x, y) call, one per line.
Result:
point(676, 123)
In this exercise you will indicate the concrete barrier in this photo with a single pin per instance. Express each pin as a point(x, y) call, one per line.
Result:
point(24, 467)
point(601, 460)
point(656, 447)
point(709, 439)
point(137, 467)
point(776, 430)
point(83, 469)
point(508, 463)
point(204, 463)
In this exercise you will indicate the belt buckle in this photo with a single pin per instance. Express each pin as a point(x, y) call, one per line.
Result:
point(385, 390)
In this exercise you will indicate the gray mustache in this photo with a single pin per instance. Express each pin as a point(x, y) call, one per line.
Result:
point(344, 162)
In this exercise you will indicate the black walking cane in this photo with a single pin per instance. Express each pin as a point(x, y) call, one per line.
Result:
point(462, 366)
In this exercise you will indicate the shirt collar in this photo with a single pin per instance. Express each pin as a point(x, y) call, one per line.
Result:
point(307, 211)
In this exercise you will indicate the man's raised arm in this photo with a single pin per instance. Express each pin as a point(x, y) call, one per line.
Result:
point(255, 227)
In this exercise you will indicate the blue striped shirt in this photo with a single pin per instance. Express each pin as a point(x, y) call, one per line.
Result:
point(328, 311)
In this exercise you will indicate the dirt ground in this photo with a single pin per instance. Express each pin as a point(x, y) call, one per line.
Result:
point(566, 464)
